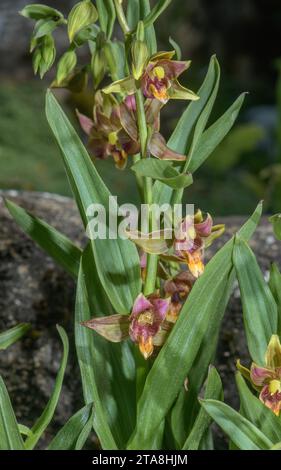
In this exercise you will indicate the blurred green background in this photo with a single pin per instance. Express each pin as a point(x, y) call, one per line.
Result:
point(245, 35)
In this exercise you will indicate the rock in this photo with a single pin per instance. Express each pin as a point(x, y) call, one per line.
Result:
point(34, 289)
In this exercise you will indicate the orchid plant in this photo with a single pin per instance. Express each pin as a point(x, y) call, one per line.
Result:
point(148, 311)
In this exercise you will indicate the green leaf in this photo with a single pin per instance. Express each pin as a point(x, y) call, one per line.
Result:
point(150, 36)
point(275, 287)
point(259, 307)
point(176, 47)
point(69, 435)
point(257, 413)
point(37, 11)
point(117, 260)
point(133, 13)
point(86, 357)
point(181, 139)
point(24, 430)
point(48, 413)
point(203, 421)
point(241, 431)
point(275, 220)
point(213, 136)
point(82, 14)
point(57, 245)
point(107, 16)
point(162, 171)
point(156, 11)
point(10, 438)
point(9, 337)
point(190, 333)
point(116, 359)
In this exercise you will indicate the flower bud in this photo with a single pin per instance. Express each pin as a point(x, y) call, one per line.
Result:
point(83, 14)
point(140, 56)
point(66, 65)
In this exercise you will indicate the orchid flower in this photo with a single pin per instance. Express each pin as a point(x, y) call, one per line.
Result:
point(106, 135)
point(187, 245)
point(156, 144)
point(114, 130)
point(178, 289)
point(143, 325)
point(267, 379)
point(158, 79)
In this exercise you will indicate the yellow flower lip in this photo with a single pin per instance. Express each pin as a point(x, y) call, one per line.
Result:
point(274, 386)
point(159, 72)
point(112, 138)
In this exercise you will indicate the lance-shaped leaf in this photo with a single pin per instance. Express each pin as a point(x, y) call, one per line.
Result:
point(255, 411)
point(275, 287)
point(86, 357)
point(57, 245)
point(275, 220)
point(48, 413)
point(150, 36)
point(162, 171)
point(117, 260)
point(259, 307)
point(203, 420)
point(214, 135)
point(242, 432)
point(181, 138)
point(156, 11)
point(69, 437)
point(9, 337)
point(200, 315)
point(10, 438)
point(97, 355)
point(107, 16)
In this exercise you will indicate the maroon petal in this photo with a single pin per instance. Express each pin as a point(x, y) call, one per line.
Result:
point(161, 307)
point(173, 68)
point(261, 375)
point(204, 229)
point(158, 148)
point(140, 305)
point(85, 122)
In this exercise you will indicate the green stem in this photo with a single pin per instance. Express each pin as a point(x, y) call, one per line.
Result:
point(121, 17)
point(152, 260)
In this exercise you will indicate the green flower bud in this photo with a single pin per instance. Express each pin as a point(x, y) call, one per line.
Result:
point(83, 14)
point(98, 67)
point(66, 65)
point(140, 56)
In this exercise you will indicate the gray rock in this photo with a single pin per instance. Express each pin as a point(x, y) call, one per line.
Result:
point(33, 289)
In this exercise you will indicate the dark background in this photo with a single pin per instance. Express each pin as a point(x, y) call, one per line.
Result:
point(245, 35)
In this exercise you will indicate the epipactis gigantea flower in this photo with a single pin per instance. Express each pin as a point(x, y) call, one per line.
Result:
point(187, 246)
point(114, 131)
point(143, 325)
point(178, 289)
point(267, 379)
point(106, 134)
point(159, 79)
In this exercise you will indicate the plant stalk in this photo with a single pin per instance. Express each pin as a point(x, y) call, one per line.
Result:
point(152, 260)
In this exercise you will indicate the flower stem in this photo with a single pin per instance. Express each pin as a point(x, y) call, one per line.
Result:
point(152, 260)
